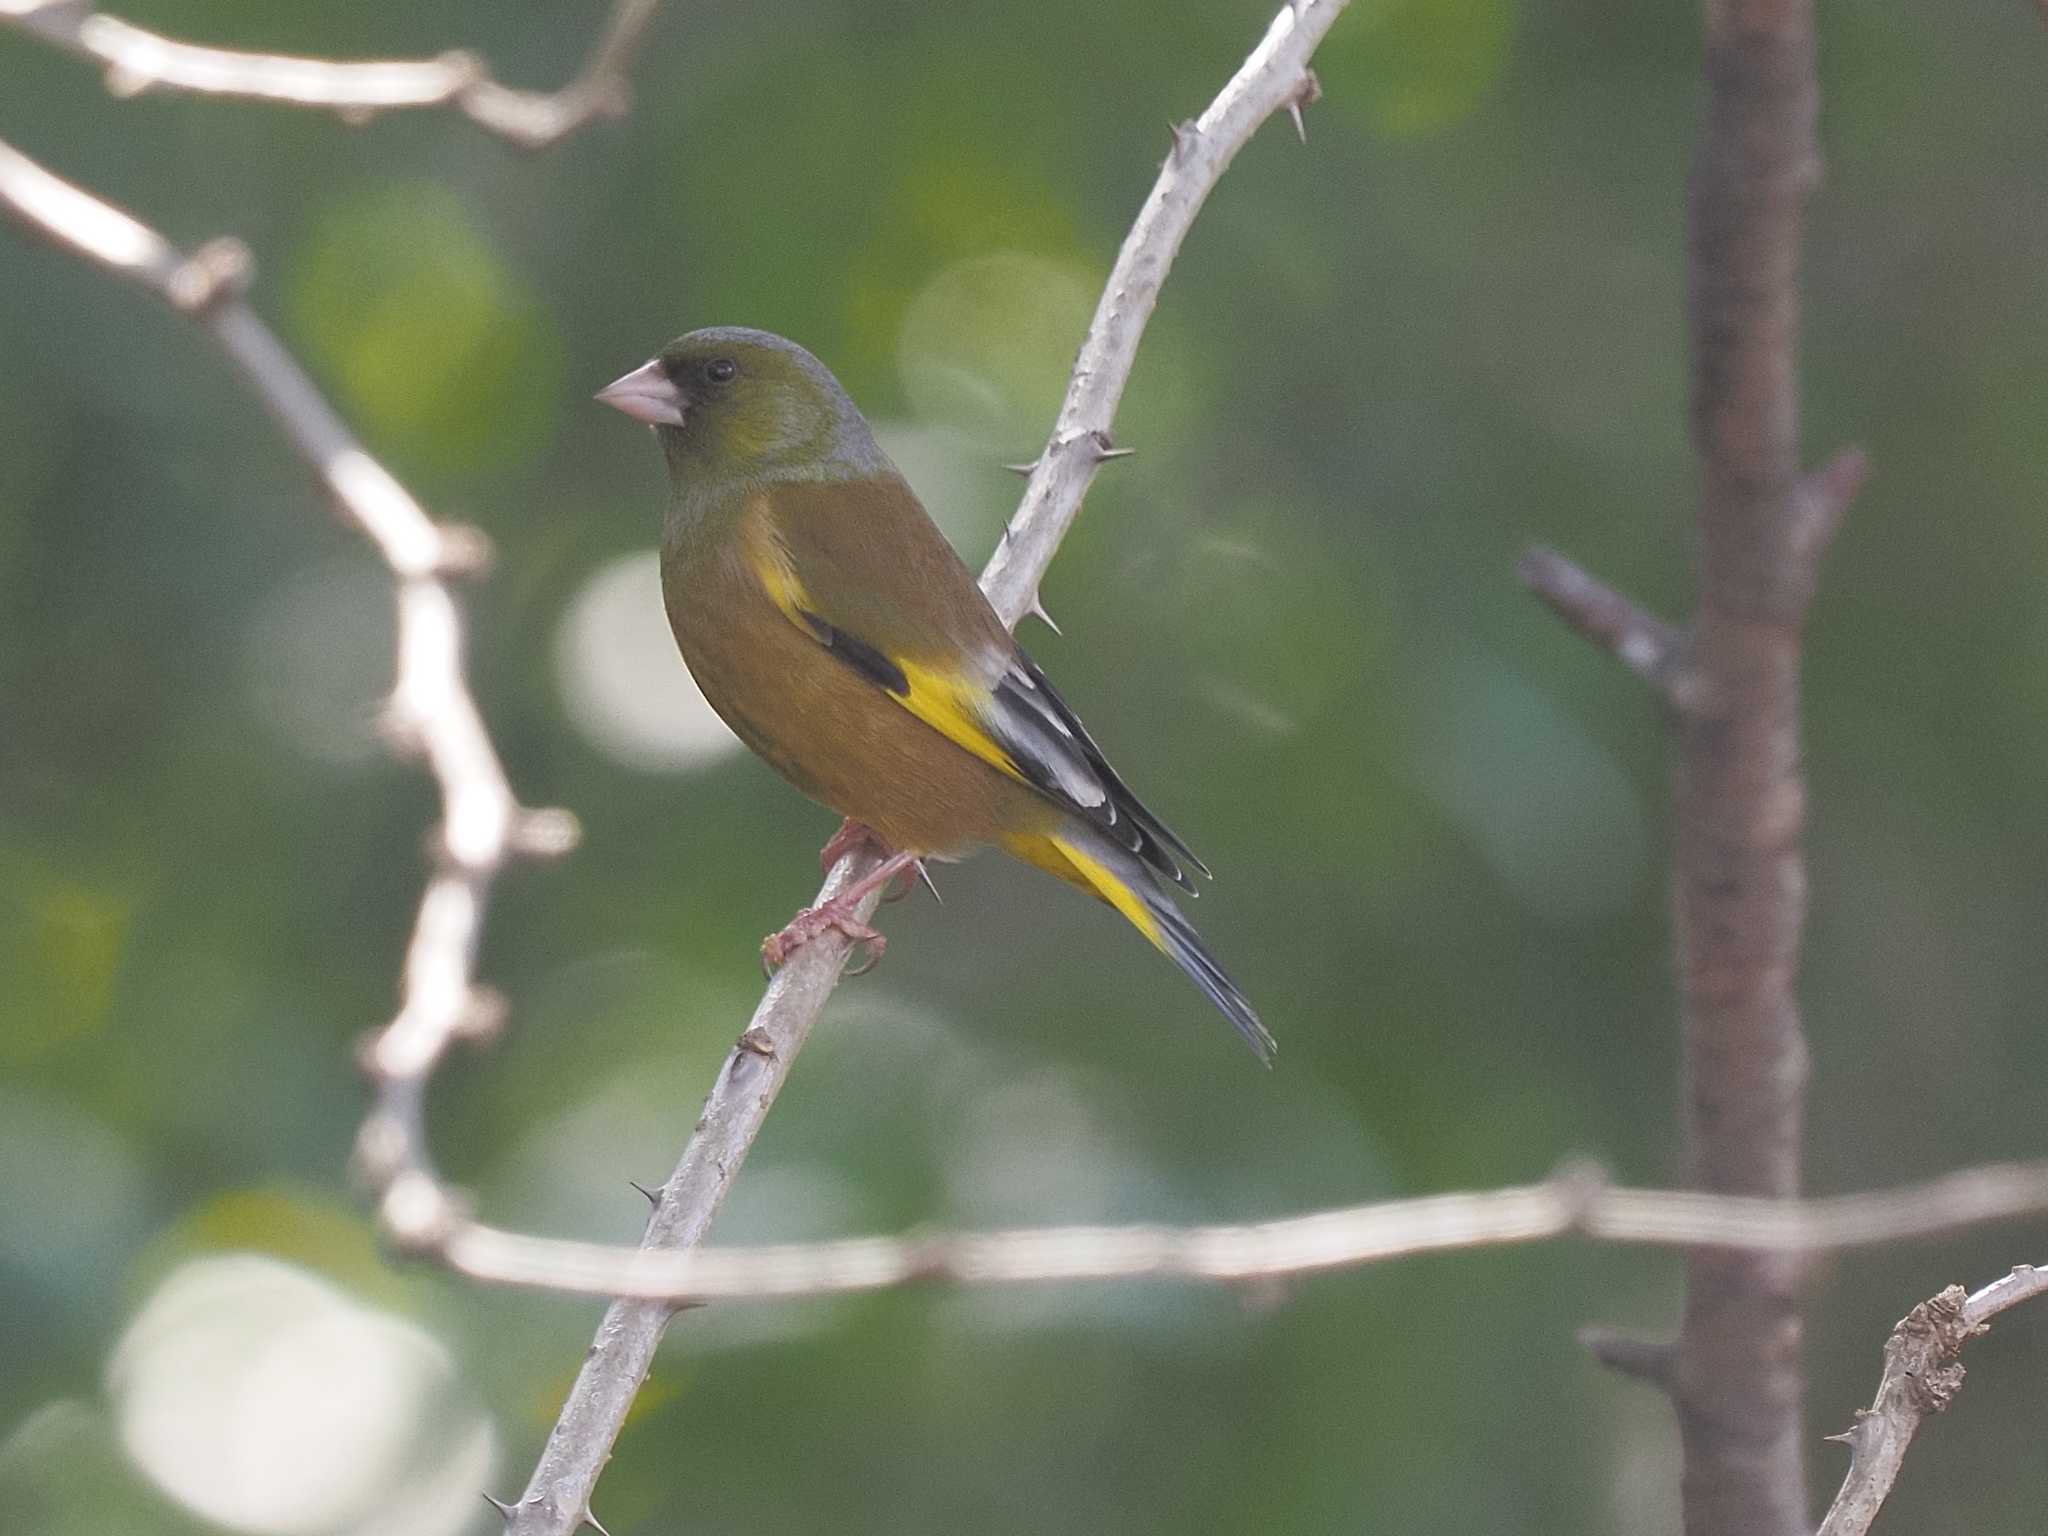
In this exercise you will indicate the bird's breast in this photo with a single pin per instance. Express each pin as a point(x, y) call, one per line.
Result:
point(829, 730)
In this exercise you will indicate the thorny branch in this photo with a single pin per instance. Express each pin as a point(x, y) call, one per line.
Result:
point(1922, 1374)
point(1275, 77)
point(136, 60)
point(431, 712)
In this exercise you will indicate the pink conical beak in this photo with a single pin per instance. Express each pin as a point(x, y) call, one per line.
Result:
point(646, 394)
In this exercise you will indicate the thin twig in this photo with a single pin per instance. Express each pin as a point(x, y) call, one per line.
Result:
point(1922, 1374)
point(137, 60)
point(1640, 641)
point(1273, 78)
point(557, 1496)
point(1576, 1201)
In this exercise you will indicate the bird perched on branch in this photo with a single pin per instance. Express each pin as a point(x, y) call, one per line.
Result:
point(831, 625)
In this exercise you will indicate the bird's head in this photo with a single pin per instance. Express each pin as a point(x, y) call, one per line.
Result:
point(734, 403)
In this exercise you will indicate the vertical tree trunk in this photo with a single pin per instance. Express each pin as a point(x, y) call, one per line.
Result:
point(1739, 883)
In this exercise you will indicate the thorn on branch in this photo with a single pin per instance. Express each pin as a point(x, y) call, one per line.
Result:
point(1037, 610)
point(217, 272)
point(1654, 1361)
point(591, 1520)
point(1185, 133)
point(1105, 448)
point(1026, 470)
point(505, 1511)
point(1307, 94)
point(1646, 645)
point(1822, 500)
point(653, 1197)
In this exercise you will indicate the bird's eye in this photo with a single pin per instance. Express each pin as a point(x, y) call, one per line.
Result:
point(721, 370)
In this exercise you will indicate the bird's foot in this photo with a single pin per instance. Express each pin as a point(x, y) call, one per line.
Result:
point(851, 835)
point(836, 915)
point(840, 914)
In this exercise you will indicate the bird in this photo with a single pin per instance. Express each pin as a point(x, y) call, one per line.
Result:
point(829, 623)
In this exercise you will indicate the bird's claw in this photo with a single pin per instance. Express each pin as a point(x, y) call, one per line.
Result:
point(814, 921)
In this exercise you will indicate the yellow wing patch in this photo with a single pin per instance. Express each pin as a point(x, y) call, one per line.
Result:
point(768, 558)
point(951, 705)
point(948, 703)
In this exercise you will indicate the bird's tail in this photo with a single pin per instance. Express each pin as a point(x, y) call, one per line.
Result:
point(1084, 857)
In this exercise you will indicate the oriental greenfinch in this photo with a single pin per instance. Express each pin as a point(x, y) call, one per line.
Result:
point(830, 624)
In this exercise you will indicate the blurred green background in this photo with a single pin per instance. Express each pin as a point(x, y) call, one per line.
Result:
point(1449, 326)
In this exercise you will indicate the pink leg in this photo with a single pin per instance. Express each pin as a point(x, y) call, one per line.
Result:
point(851, 835)
point(838, 914)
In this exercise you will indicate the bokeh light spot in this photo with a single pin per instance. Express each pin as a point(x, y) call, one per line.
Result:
point(259, 1396)
point(622, 680)
point(437, 346)
point(985, 346)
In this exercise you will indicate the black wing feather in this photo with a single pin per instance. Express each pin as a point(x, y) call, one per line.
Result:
point(1053, 750)
point(1049, 747)
point(858, 654)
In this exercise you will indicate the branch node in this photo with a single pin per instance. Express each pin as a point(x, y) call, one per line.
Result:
point(483, 1016)
point(216, 273)
point(547, 832)
point(417, 1214)
point(463, 551)
point(466, 65)
point(756, 1040)
point(1579, 1183)
point(125, 84)
point(399, 730)
point(1654, 1361)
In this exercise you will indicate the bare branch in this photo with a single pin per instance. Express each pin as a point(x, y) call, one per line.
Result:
point(1922, 1374)
point(1344, 1238)
point(431, 712)
point(558, 1494)
point(1643, 643)
point(1273, 78)
point(136, 60)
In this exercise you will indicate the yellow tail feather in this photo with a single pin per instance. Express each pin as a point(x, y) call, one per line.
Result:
point(1061, 856)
